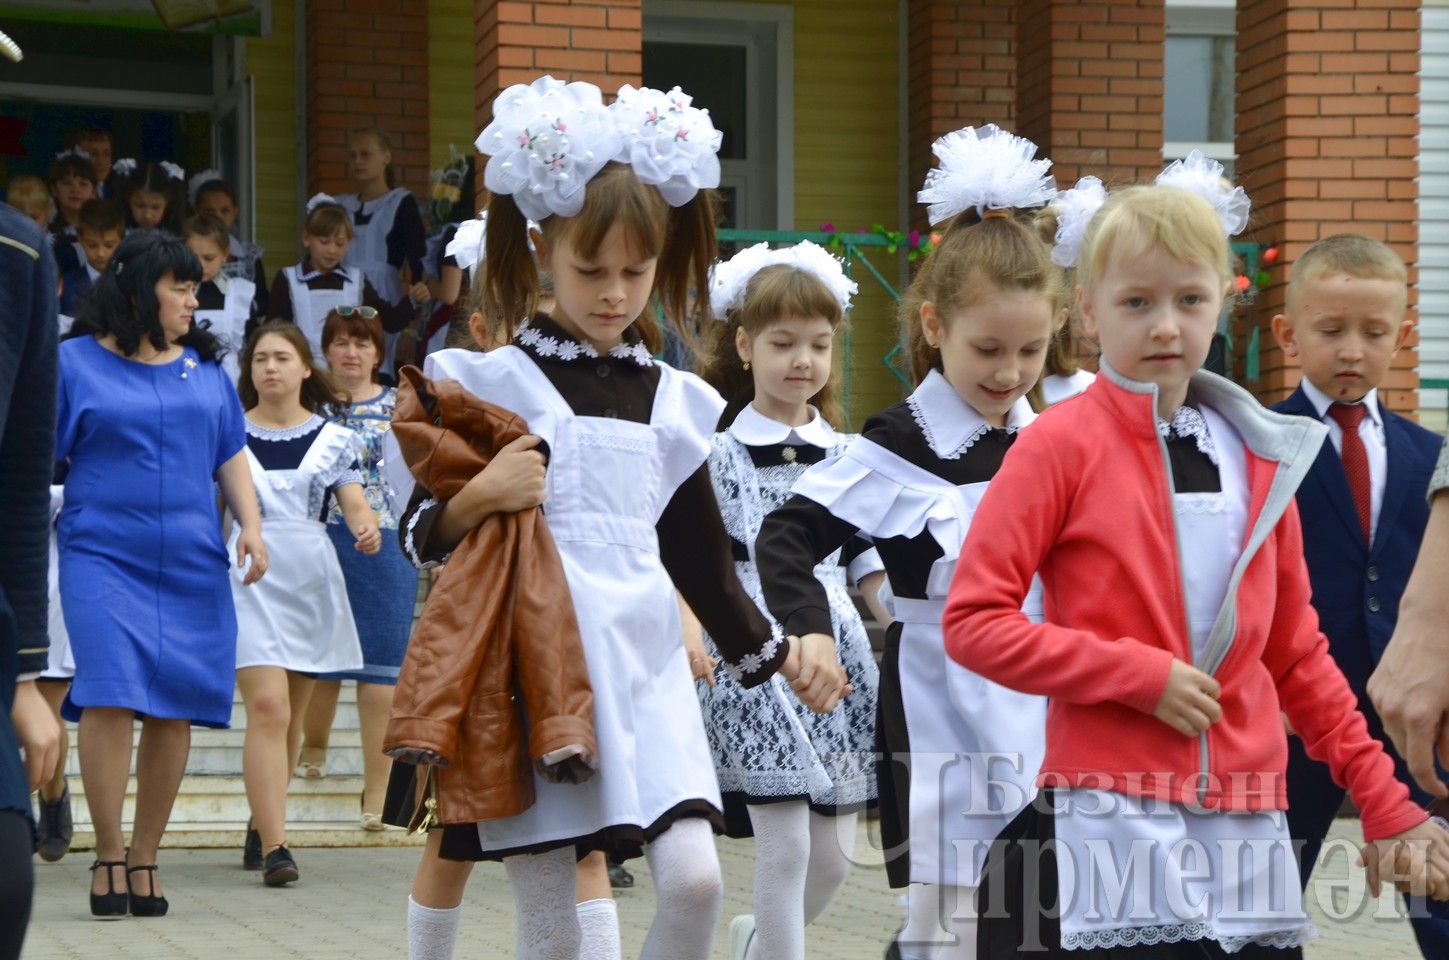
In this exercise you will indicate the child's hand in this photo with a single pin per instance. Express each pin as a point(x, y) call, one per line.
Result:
point(369, 538)
point(514, 479)
point(1415, 861)
point(820, 683)
point(1189, 704)
point(419, 293)
point(701, 664)
point(250, 545)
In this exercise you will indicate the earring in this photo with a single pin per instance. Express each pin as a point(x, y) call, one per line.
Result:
point(747, 364)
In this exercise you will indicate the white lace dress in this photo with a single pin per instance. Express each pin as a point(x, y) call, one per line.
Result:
point(767, 746)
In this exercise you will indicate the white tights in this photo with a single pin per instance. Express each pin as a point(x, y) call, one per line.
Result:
point(687, 885)
point(801, 859)
point(940, 923)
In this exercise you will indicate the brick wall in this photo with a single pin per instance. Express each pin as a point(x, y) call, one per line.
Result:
point(367, 65)
point(1328, 101)
point(961, 72)
point(1089, 87)
point(516, 41)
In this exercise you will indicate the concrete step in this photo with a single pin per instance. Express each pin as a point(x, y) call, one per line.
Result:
point(220, 752)
point(208, 800)
point(336, 833)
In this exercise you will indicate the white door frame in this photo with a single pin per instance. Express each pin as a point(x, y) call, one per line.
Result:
point(694, 21)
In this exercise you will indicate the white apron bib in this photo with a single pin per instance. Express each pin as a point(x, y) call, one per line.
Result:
point(310, 307)
point(229, 324)
point(368, 252)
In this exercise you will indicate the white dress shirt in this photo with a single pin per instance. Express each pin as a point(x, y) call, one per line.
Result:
point(1371, 432)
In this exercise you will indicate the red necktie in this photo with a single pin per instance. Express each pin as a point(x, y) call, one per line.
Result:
point(1355, 461)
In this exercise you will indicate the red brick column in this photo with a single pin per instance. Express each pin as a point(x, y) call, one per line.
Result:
point(517, 41)
point(1089, 85)
point(1328, 102)
point(367, 65)
point(962, 72)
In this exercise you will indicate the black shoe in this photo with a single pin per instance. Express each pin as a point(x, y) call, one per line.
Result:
point(893, 951)
point(252, 849)
point(149, 905)
point(111, 904)
point(619, 877)
point(280, 868)
point(53, 827)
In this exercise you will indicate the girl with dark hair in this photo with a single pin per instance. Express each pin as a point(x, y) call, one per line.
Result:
point(387, 225)
point(792, 779)
point(72, 182)
point(211, 194)
point(146, 425)
point(226, 305)
point(153, 195)
point(299, 623)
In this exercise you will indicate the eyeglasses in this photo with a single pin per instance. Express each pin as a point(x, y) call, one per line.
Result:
point(347, 310)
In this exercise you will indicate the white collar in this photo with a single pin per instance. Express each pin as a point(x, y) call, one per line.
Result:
point(304, 274)
point(91, 271)
point(1322, 401)
point(754, 429)
point(951, 425)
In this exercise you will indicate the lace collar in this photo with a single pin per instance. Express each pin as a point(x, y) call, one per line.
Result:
point(1188, 423)
point(310, 425)
point(546, 340)
point(754, 429)
point(952, 426)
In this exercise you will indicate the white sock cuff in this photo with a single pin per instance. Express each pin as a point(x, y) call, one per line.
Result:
point(594, 908)
point(431, 912)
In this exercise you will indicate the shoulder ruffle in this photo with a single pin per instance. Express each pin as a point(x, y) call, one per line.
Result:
point(506, 377)
point(688, 410)
point(337, 450)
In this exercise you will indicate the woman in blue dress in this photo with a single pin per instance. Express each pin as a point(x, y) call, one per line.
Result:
point(147, 423)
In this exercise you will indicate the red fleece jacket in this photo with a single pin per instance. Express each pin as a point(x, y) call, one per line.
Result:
point(1084, 498)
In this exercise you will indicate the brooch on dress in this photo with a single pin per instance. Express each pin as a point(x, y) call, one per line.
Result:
point(189, 364)
point(788, 454)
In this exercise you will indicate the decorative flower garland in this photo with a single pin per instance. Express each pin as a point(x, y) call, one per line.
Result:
point(917, 244)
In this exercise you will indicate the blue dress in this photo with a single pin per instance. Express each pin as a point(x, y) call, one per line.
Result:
point(143, 568)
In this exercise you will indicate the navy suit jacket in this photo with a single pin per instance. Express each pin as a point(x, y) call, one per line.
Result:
point(1356, 585)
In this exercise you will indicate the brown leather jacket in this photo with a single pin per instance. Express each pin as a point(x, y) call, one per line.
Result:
point(498, 638)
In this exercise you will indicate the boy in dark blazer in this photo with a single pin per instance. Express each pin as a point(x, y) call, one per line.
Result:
point(1363, 504)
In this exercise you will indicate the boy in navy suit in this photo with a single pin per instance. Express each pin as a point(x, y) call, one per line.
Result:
point(1363, 504)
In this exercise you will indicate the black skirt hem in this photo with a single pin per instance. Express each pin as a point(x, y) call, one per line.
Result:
point(737, 823)
point(620, 842)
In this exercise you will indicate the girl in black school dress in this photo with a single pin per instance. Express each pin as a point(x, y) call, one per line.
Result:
point(153, 195)
point(72, 182)
point(211, 194)
point(306, 292)
point(227, 305)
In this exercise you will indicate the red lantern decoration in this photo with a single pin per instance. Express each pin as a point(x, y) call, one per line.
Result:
point(1241, 283)
point(1270, 256)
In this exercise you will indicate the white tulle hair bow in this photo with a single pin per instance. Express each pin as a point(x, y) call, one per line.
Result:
point(318, 199)
point(730, 278)
point(194, 185)
point(670, 143)
point(76, 152)
point(1075, 209)
point(466, 247)
point(984, 168)
point(124, 166)
point(546, 141)
point(1198, 174)
point(173, 170)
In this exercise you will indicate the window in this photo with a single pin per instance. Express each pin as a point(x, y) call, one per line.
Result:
point(1199, 92)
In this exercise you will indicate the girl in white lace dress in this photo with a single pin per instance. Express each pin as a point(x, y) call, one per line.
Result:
point(793, 779)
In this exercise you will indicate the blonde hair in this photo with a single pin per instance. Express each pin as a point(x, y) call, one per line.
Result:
point(975, 259)
point(1133, 221)
point(28, 194)
point(682, 238)
point(1351, 253)
point(777, 292)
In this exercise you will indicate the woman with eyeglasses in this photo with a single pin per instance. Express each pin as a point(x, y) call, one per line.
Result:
point(382, 588)
point(306, 292)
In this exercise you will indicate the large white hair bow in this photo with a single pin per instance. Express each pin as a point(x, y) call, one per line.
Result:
point(985, 169)
point(1197, 174)
point(730, 278)
point(318, 199)
point(124, 167)
point(546, 141)
point(670, 143)
point(1075, 209)
point(194, 185)
point(173, 170)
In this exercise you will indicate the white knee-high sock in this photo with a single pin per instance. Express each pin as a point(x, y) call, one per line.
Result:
point(688, 889)
point(832, 844)
point(599, 930)
point(782, 861)
point(922, 935)
point(432, 933)
point(958, 919)
point(543, 898)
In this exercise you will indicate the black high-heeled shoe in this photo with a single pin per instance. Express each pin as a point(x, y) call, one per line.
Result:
point(148, 905)
point(112, 904)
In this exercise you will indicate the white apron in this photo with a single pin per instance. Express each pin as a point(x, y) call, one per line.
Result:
point(608, 482)
point(229, 324)
point(976, 746)
point(310, 307)
point(1229, 877)
point(297, 616)
point(368, 252)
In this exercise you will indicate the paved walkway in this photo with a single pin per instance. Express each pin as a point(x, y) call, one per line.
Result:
point(350, 904)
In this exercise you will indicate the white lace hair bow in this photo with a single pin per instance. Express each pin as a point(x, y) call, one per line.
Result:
point(729, 278)
point(546, 141)
point(1197, 174)
point(76, 152)
point(318, 199)
point(194, 185)
point(124, 166)
point(1075, 209)
point(466, 247)
point(173, 170)
point(670, 144)
point(986, 169)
